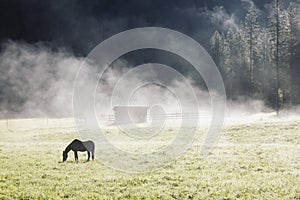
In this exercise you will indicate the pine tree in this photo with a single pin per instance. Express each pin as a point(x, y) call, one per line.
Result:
point(251, 35)
point(220, 53)
point(279, 28)
point(216, 42)
point(229, 65)
point(267, 72)
point(293, 14)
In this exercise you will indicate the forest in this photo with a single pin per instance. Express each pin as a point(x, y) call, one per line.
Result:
point(259, 59)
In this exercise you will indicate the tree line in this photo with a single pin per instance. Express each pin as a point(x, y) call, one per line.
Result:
point(260, 59)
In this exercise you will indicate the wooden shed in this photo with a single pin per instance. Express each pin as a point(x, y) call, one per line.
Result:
point(130, 114)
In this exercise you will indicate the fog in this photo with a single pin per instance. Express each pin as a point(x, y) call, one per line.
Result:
point(37, 81)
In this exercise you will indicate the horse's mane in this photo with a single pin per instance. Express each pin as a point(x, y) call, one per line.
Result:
point(68, 148)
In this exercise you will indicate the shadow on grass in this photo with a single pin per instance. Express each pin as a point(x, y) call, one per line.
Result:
point(74, 162)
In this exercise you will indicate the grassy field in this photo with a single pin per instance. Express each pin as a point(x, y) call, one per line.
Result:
point(250, 161)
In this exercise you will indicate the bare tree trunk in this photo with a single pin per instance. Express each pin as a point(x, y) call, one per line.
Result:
point(277, 59)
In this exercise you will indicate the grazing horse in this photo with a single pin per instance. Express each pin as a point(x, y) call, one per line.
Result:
point(77, 145)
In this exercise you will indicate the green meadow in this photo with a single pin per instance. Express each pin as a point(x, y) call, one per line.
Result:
point(258, 160)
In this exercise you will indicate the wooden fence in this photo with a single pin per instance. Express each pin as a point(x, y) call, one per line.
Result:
point(35, 123)
point(169, 116)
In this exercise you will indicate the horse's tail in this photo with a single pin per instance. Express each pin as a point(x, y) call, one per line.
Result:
point(93, 150)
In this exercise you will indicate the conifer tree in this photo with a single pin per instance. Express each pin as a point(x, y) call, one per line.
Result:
point(251, 34)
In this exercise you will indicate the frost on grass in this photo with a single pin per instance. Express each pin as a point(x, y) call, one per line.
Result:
point(250, 161)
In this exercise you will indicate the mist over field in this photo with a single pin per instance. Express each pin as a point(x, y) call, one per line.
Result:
point(37, 76)
point(38, 82)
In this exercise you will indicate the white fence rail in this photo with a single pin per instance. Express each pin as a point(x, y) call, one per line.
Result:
point(36, 123)
point(169, 116)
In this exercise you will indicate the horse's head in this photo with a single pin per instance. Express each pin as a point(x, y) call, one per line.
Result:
point(65, 156)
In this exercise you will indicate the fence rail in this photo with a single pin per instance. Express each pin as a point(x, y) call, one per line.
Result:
point(169, 116)
point(36, 123)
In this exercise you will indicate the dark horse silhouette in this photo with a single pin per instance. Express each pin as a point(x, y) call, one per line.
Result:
point(77, 145)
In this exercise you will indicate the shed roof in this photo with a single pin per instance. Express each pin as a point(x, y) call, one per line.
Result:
point(126, 107)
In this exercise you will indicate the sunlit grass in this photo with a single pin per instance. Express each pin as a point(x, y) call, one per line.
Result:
point(254, 161)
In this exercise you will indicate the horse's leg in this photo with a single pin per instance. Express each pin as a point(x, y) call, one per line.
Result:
point(93, 156)
point(76, 156)
point(89, 155)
